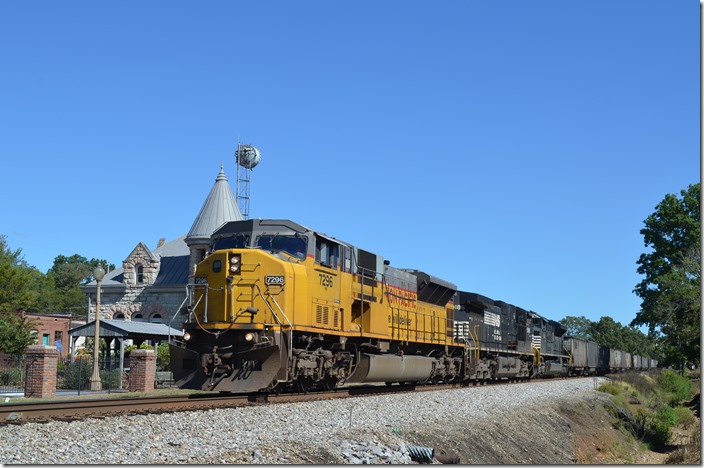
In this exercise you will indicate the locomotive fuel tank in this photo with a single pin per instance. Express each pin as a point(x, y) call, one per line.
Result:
point(392, 368)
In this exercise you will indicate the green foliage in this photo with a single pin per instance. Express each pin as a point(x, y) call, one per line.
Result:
point(110, 378)
point(671, 289)
point(76, 374)
point(13, 374)
point(579, 327)
point(610, 387)
point(67, 275)
point(608, 332)
point(660, 431)
point(15, 333)
point(163, 357)
point(17, 280)
point(678, 388)
point(23, 287)
point(684, 415)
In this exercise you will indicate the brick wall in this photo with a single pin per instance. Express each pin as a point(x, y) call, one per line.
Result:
point(54, 326)
point(142, 370)
point(41, 372)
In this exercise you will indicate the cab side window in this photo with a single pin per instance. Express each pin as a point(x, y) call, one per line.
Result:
point(327, 253)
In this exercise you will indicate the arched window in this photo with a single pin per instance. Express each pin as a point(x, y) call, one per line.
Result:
point(119, 317)
point(138, 318)
point(140, 274)
point(156, 318)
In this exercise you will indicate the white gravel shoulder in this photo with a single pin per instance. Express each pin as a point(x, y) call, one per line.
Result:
point(367, 430)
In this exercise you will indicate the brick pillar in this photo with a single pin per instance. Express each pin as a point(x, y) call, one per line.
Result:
point(41, 372)
point(142, 370)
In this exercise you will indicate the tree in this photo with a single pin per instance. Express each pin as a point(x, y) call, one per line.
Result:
point(68, 274)
point(578, 327)
point(671, 289)
point(17, 279)
point(608, 332)
point(16, 333)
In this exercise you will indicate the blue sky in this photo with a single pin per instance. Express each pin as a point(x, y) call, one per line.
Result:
point(513, 148)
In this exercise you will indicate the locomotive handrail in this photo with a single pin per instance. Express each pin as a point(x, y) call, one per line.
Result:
point(177, 310)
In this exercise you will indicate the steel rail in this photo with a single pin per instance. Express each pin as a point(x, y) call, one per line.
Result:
point(76, 409)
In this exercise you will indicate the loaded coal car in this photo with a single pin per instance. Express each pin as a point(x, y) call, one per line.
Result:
point(627, 361)
point(617, 360)
point(603, 355)
point(637, 362)
point(579, 356)
point(586, 357)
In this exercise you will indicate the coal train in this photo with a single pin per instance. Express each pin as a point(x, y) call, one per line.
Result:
point(275, 306)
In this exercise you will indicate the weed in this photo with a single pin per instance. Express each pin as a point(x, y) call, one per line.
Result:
point(610, 387)
point(677, 387)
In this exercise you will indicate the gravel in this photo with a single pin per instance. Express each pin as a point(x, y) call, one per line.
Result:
point(365, 430)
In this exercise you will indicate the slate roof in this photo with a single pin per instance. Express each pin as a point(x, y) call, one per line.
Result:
point(219, 208)
point(127, 329)
point(172, 272)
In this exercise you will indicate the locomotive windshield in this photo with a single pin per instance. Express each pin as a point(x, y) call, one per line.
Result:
point(236, 241)
point(294, 245)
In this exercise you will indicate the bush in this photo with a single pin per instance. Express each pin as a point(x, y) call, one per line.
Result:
point(667, 415)
point(75, 375)
point(661, 432)
point(163, 357)
point(677, 387)
point(684, 415)
point(610, 387)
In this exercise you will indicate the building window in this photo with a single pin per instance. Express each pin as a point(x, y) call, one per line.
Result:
point(156, 318)
point(35, 336)
point(140, 274)
point(138, 318)
point(45, 339)
point(119, 317)
point(58, 341)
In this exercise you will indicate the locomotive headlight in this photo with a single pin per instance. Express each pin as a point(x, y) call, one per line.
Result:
point(186, 336)
point(249, 336)
point(235, 263)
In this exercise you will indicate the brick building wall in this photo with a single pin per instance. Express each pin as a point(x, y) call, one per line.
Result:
point(50, 330)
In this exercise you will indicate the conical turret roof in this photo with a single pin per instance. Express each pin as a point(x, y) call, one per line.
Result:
point(219, 208)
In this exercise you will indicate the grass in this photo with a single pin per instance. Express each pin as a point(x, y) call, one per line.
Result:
point(650, 407)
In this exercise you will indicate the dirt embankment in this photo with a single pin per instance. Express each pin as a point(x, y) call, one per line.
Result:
point(581, 432)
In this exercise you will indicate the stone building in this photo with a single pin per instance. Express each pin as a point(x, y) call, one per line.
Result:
point(151, 285)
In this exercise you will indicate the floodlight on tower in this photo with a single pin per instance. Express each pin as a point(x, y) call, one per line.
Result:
point(247, 157)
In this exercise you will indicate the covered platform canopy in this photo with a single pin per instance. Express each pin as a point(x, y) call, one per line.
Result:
point(127, 330)
point(138, 332)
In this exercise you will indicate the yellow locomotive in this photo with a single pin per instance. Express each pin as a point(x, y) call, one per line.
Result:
point(275, 305)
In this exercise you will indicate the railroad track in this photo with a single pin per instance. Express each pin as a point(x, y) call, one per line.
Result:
point(76, 409)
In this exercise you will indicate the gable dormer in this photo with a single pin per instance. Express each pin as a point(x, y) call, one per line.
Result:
point(140, 267)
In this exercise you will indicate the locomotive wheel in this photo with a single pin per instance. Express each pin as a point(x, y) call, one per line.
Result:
point(279, 387)
point(304, 385)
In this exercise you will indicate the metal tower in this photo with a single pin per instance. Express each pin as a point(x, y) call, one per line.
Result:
point(247, 157)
